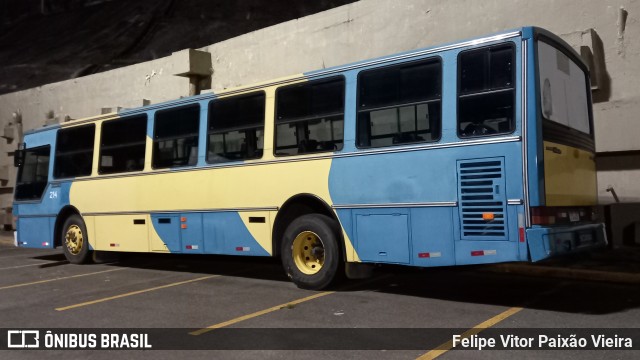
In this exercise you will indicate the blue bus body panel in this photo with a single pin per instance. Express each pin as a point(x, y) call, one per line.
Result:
point(36, 219)
point(33, 217)
point(226, 232)
point(382, 235)
point(206, 233)
point(427, 181)
point(408, 236)
point(192, 235)
point(35, 232)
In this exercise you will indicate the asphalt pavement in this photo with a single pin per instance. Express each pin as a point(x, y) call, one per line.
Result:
point(620, 265)
point(246, 308)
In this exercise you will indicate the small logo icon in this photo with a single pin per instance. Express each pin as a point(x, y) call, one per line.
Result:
point(23, 339)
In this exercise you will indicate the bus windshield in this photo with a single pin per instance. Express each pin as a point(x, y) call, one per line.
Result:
point(563, 89)
point(33, 174)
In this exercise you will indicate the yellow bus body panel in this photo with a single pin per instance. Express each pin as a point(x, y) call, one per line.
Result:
point(569, 176)
point(234, 188)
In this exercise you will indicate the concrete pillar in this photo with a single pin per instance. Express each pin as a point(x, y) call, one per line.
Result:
point(195, 65)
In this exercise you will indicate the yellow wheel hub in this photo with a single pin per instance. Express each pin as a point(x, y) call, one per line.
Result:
point(308, 252)
point(74, 239)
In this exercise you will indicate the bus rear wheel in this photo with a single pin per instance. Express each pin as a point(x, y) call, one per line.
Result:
point(311, 251)
point(75, 242)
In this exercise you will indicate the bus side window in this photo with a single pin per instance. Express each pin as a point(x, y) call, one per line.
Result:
point(74, 151)
point(310, 117)
point(236, 128)
point(486, 91)
point(122, 145)
point(399, 104)
point(175, 137)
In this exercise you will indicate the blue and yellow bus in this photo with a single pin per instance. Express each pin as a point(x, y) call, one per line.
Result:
point(474, 152)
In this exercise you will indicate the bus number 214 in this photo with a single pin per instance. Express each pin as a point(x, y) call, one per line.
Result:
point(53, 194)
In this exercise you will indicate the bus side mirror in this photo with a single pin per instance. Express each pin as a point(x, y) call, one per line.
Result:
point(18, 156)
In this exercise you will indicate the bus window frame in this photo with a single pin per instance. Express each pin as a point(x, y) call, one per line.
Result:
point(55, 151)
point(153, 137)
point(308, 82)
point(439, 60)
point(516, 80)
point(208, 131)
point(100, 145)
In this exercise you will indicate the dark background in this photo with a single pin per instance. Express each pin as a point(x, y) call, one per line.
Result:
point(45, 41)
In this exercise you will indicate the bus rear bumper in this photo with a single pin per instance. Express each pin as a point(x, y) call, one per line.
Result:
point(546, 242)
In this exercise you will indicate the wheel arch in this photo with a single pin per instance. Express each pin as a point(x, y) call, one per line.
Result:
point(63, 215)
point(299, 205)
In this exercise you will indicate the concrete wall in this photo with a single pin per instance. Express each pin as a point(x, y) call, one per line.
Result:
point(366, 29)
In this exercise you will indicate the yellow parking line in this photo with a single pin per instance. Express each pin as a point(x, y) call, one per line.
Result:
point(60, 278)
point(278, 307)
point(134, 293)
point(23, 266)
point(443, 348)
point(260, 313)
point(14, 254)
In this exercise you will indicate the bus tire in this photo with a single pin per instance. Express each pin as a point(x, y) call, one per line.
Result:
point(75, 242)
point(311, 251)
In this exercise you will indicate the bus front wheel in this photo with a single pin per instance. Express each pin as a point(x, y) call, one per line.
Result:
point(311, 252)
point(75, 242)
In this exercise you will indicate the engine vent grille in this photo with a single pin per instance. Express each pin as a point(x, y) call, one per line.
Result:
point(482, 199)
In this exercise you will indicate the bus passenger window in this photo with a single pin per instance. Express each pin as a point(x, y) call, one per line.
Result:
point(310, 117)
point(122, 145)
point(399, 104)
point(236, 128)
point(175, 139)
point(74, 151)
point(486, 91)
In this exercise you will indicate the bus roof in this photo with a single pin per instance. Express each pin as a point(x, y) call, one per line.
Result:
point(527, 32)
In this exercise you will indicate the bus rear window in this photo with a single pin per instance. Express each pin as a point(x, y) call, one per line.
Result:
point(563, 89)
point(33, 175)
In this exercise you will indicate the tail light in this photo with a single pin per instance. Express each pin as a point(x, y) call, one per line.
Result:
point(548, 215)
